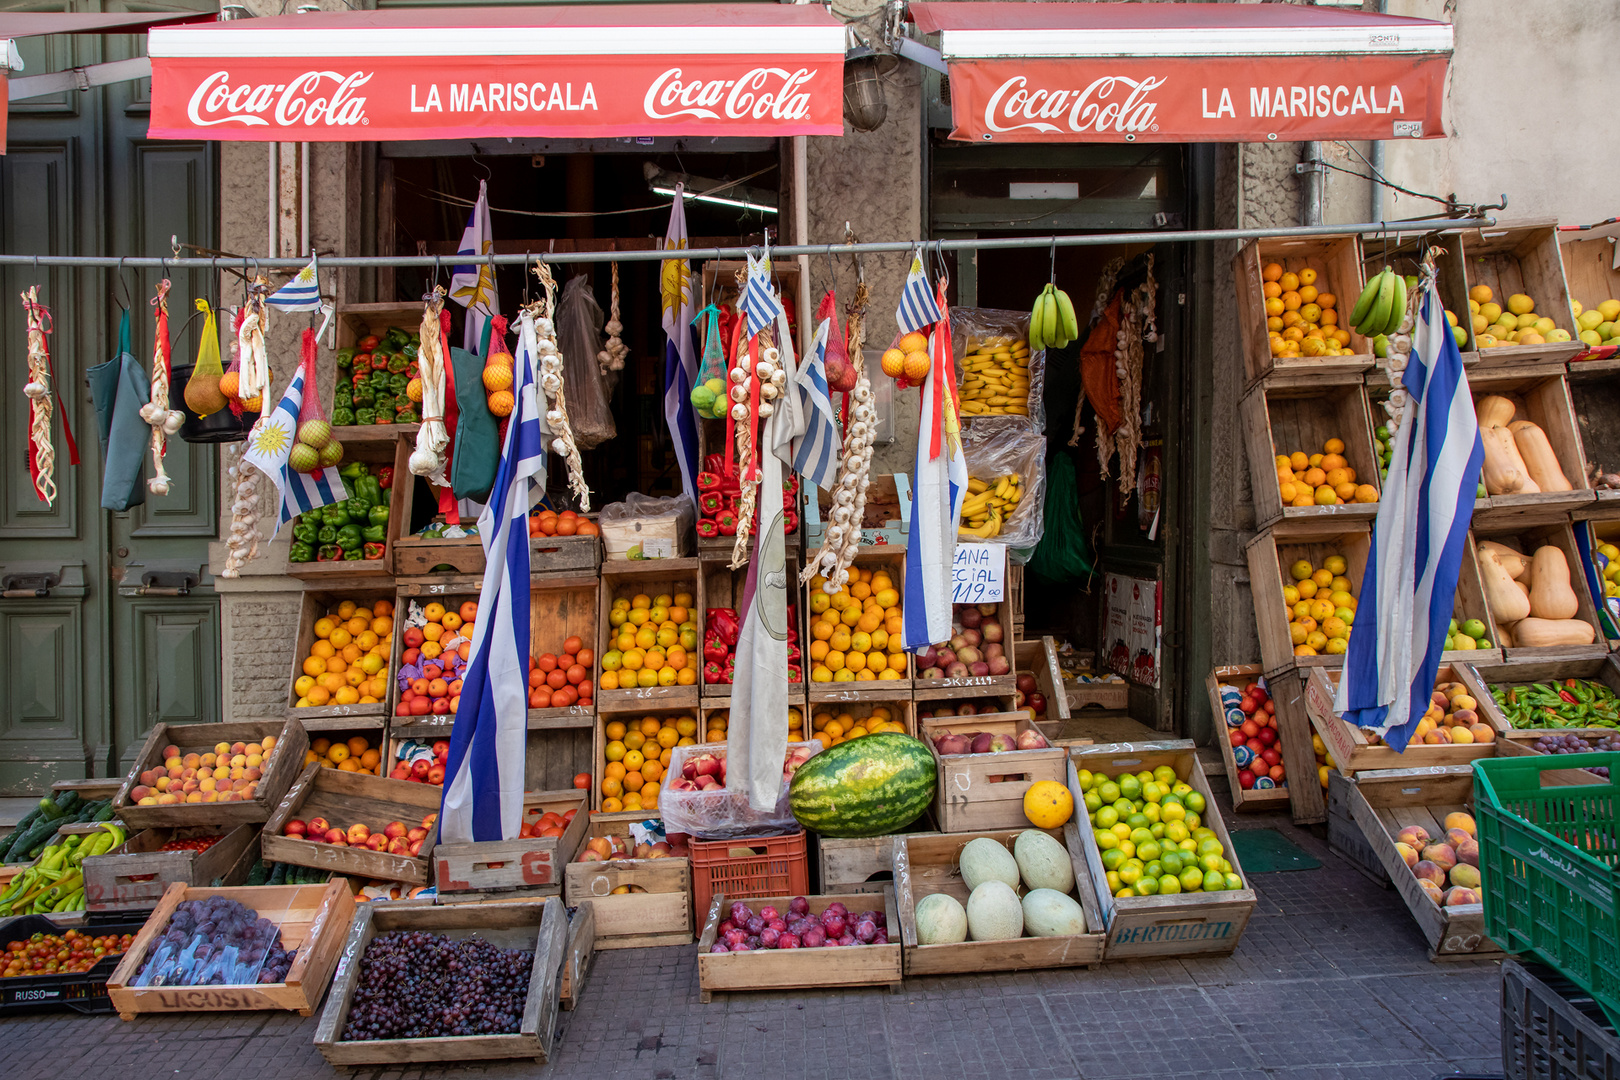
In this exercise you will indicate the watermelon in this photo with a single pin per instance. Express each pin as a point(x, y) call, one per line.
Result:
point(870, 786)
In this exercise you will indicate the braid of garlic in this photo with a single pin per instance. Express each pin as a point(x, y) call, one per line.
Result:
point(242, 543)
point(613, 353)
point(156, 412)
point(841, 541)
point(551, 383)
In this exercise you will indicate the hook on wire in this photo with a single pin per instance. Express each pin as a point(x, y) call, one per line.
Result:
point(127, 297)
point(1053, 274)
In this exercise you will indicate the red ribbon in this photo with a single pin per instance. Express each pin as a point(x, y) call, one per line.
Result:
point(731, 425)
point(447, 495)
point(47, 326)
point(944, 373)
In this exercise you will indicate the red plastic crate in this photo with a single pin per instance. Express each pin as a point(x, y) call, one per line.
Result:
point(747, 867)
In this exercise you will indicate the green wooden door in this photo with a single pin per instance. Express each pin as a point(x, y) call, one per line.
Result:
point(96, 651)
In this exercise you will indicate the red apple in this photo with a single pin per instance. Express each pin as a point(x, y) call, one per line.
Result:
point(401, 772)
point(441, 749)
point(377, 842)
point(416, 834)
point(399, 846)
point(441, 706)
point(436, 775)
point(420, 767)
point(416, 847)
point(428, 820)
point(414, 637)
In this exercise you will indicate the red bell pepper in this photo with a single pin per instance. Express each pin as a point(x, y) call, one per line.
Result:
point(707, 529)
point(730, 669)
point(713, 672)
point(369, 342)
point(715, 650)
point(790, 521)
point(711, 503)
point(362, 365)
point(708, 481)
point(385, 477)
point(795, 674)
point(372, 551)
point(727, 521)
point(723, 624)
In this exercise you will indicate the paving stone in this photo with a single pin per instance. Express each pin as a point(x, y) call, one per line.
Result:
point(1299, 1023)
point(1138, 1032)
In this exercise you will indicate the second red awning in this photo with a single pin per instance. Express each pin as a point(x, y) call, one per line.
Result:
point(1110, 72)
point(560, 72)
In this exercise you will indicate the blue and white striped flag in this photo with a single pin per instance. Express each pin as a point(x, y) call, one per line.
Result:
point(816, 452)
point(759, 299)
point(1409, 586)
point(269, 445)
point(918, 309)
point(302, 293)
point(680, 351)
point(942, 482)
point(483, 784)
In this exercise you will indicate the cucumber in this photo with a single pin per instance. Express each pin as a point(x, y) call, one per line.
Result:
point(17, 830)
point(260, 873)
point(37, 836)
point(279, 875)
point(68, 801)
point(106, 813)
point(48, 808)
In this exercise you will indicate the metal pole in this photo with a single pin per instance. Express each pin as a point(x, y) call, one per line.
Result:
point(1395, 228)
point(1310, 188)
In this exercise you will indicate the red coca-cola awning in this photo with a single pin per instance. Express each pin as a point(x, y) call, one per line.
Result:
point(1111, 72)
point(561, 72)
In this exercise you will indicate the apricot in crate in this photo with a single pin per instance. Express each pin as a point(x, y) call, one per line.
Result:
point(348, 660)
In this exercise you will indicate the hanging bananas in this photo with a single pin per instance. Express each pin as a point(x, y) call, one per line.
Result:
point(1052, 322)
point(1381, 307)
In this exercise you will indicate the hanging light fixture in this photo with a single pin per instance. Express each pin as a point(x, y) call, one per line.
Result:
point(866, 105)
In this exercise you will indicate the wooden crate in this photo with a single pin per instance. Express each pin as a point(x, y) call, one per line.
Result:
point(885, 519)
point(723, 588)
point(1404, 254)
point(312, 920)
point(1285, 419)
point(1183, 924)
point(541, 926)
point(1470, 604)
point(285, 762)
point(903, 712)
point(968, 686)
point(1596, 399)
point(662, 915)
point(799, 969)
point(1305, 797)
point(579, 952)
point(600, 741)
point(1252, 798)
point(863, 864)
point(356, 321)
point(382, 449)
point(1521, 258)
point(1038, 659)
point(1270, 556)
point(1384, 803)
point(893, 561)
point(315, 605)
point(347, 799)
point(1015, 597)
point(1345, 838)
point(926, 864)
point(1590, 534)
point(1485, 679)
point(1521, 746)
point(137, 873)
point(1351, 750)
point(325, 733)
point(414, 507)
point(985, 792)
point(565, 556)
point(1337, 261)
point(533, 865)
point(1590, 273)
point(1527, 539)
point(561, 608)
point(652, 577)
point(1545, 400)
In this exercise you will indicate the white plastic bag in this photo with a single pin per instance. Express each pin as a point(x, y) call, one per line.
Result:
point(720, 813)
point(1002, 450)
point(579, 339)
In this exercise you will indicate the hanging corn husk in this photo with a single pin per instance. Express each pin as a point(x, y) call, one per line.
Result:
point(841, 540)
point(613, 353)
point(156, 412)
point(42, 464)
point(551, 384)
point(431, 438)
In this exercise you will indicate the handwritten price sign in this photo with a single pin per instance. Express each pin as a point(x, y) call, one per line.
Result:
point(979, 574)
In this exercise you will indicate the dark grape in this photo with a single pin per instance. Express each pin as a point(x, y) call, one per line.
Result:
point(415, 985)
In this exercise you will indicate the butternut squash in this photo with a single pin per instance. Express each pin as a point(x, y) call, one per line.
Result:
point(1539, 459)
point(1512, 561)
point(1505, 470)
point(1550, 594)
point(1535, 633)
point(1504, 636)
point(1506, 602)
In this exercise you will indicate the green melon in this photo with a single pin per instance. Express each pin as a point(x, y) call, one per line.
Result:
point(870, 786)
point(994, 913)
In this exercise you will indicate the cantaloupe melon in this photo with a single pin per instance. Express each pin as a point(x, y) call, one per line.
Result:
point(994, 913)
point(941, 920)
point(1043, 862)
point(1049, 913)
point(984, 859)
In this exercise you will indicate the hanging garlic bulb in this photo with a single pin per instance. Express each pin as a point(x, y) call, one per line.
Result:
point(432, 438)
point(614, 351)
point(242, 542)
point(842, 540)
point(156, 412)
point(254, 358)
point(742, 380)
point(540, 315)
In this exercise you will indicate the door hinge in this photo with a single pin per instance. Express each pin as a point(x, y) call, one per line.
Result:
point(28, 586)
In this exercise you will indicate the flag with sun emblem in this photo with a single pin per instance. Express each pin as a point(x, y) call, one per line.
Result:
point(269, 446)
point(473, 287)
point(302, 293)
point(680, 351)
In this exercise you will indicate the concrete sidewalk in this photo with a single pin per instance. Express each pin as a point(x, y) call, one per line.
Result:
point(1331, 981)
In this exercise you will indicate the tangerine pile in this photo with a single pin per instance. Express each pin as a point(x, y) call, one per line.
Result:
point(346, 755)
point(831, 728)
point(1324, 479)
point(1321, 607)
point(1301, 319)
point(856, 632)
point(348, 660)
point(636, 755)
point(653, 642)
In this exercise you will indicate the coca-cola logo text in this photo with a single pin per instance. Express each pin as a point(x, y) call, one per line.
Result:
point(757, 94)
point(300, 101)
point(1112, 103)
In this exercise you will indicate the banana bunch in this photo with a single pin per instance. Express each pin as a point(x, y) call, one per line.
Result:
point(56, 882)
point(1052, 320)
point(995, 378)
point(1381, 308)
point(989, 504)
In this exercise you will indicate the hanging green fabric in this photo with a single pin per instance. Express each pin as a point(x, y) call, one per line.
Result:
point(477, 447)
point(1063, 554)
point(118, 389)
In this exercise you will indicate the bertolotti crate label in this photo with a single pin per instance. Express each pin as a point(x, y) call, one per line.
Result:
point(1192, 930)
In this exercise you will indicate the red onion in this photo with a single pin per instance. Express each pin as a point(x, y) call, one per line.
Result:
point(769, 937)
point(787, 941)
point(798, 905)
point(814, 938)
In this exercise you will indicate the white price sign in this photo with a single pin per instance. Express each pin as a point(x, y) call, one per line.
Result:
point(979, 574)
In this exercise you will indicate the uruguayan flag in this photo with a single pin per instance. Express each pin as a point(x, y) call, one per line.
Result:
point(759, 301)
point(1409, 586)
point(816, 452)
point(302, 293)
point(483, 786)
point(270, 443)
point(942, 481)
point(473, 287)
point(918, 309)
point(680, 351)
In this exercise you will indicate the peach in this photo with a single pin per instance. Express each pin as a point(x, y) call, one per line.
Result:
point(416, 834)
point(294, 828)
point(1457, 837)
point(194, 797)
point(171, 751)
point(148, 776)
point(168, 799)
point(207, 783)
point(222, 748)
point(359, 831)
point(250, 773)
point(339, 842)
point(1428, 871)
point(1431, 890)
point(173, 763)
point(319, 825)
point(139, 792)
point(209, 760)
point(210, 796)
point(238, 761)
point(1459, 895)
point(399, 846)
point(238, 748)
point(189, 786)
point(188, 775)
point(1407, 853)
point(150, 800)
point(1465, 717)
point(377, 842)
point(1414, 836)
point(1442, 855)
point(394, 829)
point(161, 783)
point(222, 772)
point(1460, 820)
point(1466, 876)
point(416, 847)
point(191, 761)
point(335, 836)
point(1468, 852)
point(176, 774)
point(239, 773)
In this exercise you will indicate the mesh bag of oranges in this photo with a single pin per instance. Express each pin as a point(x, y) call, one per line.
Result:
point(855, 633)
point(1324, 479)
point(347, 663)
point(1302, 315)
point(635, 756)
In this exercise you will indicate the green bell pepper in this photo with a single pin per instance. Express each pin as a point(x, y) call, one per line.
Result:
point(300, 553)
point(342, 396)
point(305, 531)
point(399, 383)
point(358, 509)
point(342, 416)
point(353, 470)
point(396, 338)
point(364, 415)
point(408, 416)
point(410, 350)
point(348, 537)
point(397, 363)
point(327, 534)
point(336, 514)
point(378, 515)
point(345, 358)
point(354, 554)
point(328, 553)
point(374, 534)
point(384, 416)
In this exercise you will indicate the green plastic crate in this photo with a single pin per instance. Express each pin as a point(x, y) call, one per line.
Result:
point(1549, 860)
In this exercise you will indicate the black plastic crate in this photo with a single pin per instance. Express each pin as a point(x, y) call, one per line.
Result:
point(80, 991)
point(1552, 1029)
